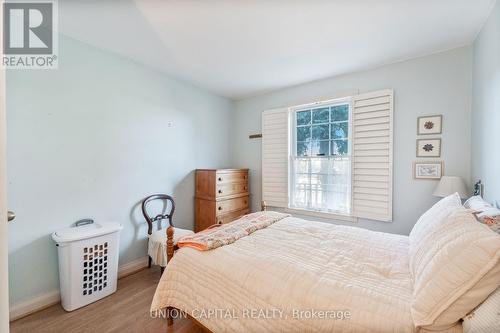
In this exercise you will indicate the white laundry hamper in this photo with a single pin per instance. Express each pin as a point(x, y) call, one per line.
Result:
point(88, 262)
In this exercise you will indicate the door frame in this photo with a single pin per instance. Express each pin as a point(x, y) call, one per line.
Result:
point(4, 273)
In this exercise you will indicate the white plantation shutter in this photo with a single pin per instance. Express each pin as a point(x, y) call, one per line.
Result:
point(372, 123)
point(275, 128)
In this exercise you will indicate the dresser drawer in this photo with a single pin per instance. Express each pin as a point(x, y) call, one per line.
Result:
point(230, 189)
point(229, 217)
point(230, 205)
point(231, 177)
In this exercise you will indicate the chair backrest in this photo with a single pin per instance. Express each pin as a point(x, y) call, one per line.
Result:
point(159, 217)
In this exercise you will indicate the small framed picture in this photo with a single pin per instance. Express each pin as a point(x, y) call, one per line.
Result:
point(429, 125)
point(478, 188)
point(428, 147)
point(428, 170)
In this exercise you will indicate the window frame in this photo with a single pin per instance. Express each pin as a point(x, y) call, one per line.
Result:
point(293, 154)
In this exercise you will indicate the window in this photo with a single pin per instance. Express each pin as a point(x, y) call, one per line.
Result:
point(321, 164)
point(331, 157)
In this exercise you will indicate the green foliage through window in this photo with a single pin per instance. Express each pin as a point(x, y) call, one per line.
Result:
point(304, 117)
point(321, 116)
point(340, 112)
point(323, 131)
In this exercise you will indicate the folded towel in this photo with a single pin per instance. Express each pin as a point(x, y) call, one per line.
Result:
point(223, 234)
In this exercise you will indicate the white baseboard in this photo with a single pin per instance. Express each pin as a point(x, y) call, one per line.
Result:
point(40, 302)
point(132, 267)
point(35, 304)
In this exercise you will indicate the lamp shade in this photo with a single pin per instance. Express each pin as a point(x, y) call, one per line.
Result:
point(449, 185)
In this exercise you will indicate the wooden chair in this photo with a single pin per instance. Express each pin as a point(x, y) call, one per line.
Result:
point(157, 244)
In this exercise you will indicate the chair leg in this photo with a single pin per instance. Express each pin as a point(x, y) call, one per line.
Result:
point(170, 318)
point(161, 270)
point(149, 262)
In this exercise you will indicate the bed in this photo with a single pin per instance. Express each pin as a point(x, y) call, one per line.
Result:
point(295, 276)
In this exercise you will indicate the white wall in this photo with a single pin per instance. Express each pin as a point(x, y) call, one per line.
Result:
point(486, 108)
point(91, 140)
point(435, 84)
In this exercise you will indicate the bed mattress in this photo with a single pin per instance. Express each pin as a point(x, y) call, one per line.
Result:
point(295, 276)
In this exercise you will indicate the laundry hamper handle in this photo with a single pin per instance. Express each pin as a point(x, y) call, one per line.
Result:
point(84, 222)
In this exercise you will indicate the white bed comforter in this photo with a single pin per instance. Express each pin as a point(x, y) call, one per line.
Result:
point(272, 280)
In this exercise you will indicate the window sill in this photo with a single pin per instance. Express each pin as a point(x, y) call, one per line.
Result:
point(325, 215)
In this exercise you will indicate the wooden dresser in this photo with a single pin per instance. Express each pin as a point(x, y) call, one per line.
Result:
point(221, 196)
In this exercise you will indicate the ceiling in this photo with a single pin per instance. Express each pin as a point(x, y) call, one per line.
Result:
point(237, 48)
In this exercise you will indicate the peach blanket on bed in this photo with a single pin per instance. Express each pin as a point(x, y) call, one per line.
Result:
point(224, 234)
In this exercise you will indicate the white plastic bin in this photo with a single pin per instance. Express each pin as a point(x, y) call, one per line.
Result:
point(88, 262)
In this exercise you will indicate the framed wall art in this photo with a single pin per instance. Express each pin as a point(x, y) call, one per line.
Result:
point(428, 170)
point(429, 125)
point(428, 147)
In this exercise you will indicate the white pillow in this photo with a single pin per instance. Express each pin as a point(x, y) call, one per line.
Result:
point(455, 267)
point(420, 230)
point(477, 203)
point(486, 317)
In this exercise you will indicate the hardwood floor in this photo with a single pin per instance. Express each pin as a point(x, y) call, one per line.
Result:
point(127, 310)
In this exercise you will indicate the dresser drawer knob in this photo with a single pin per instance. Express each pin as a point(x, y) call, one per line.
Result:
point(220, 208)
point(220, 191)
point(219, 222)
point(220, 179)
